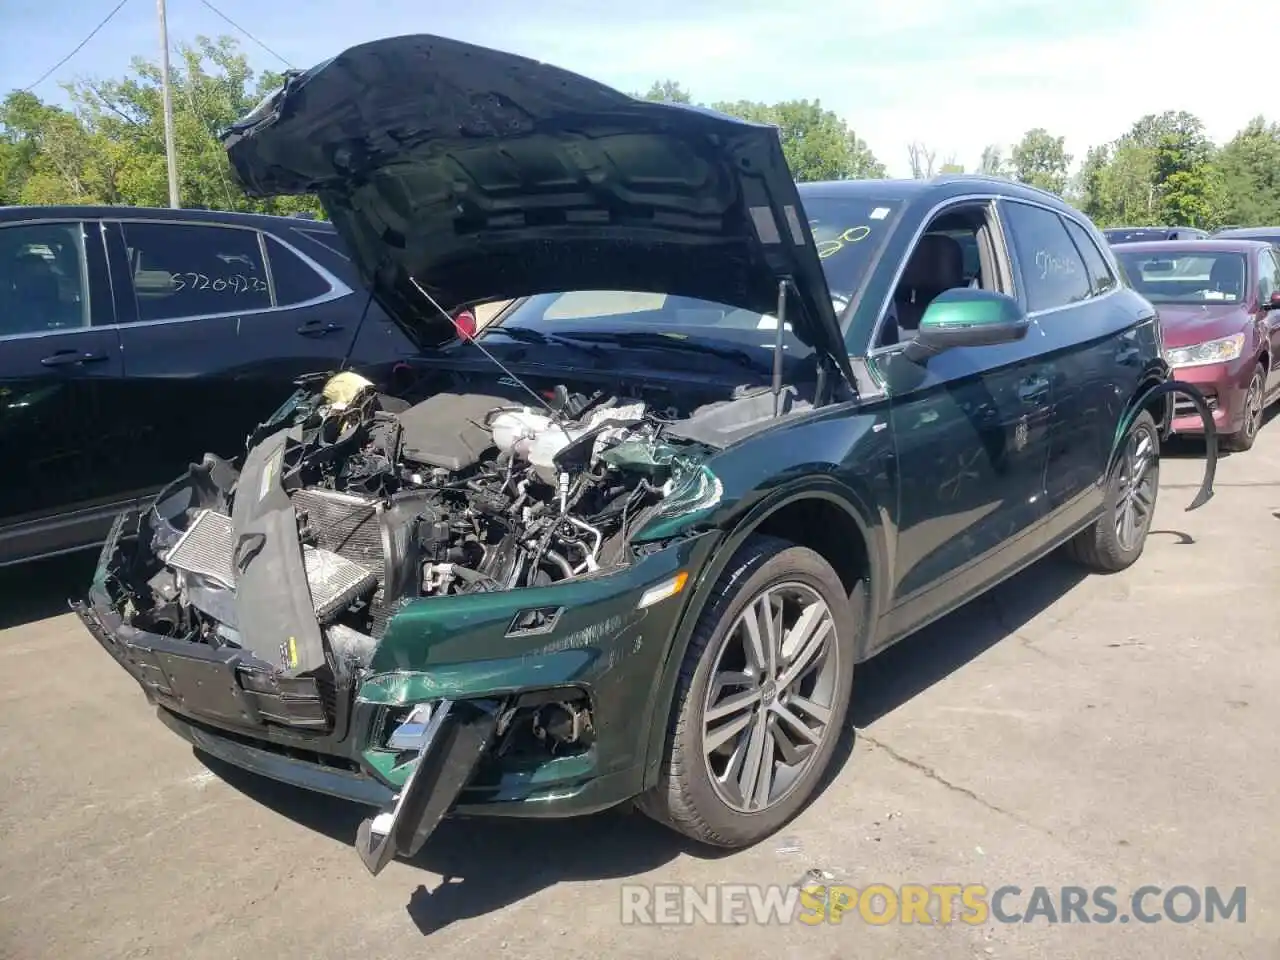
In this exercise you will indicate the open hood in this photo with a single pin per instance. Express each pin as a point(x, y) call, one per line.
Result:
point(484, 176)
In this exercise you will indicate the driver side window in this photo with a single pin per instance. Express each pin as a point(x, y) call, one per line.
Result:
point(954, 251)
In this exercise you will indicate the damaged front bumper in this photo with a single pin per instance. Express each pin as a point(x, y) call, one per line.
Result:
point(419, 735)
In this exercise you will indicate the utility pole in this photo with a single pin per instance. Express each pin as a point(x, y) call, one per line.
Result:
point(170, 155)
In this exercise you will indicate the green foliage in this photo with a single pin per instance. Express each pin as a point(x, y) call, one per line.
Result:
point(818, 144)
point(108, 147)
point(1041, 160)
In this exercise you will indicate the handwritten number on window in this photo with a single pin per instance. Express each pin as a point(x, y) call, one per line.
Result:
point(237, 283)
point(828, 248)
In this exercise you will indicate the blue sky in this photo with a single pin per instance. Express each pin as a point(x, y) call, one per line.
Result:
point(954, 74)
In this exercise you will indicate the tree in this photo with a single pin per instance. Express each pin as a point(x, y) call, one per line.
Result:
point(992, 163)
point(1041, 160)
point(951, 165)
point(109, 147)
point(668, 90)
point(1089, 191)
point(818, 145)
point(1250, 167)
point(921, 159)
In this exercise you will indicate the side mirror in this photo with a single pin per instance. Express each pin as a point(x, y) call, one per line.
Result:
point(964, 317)
point(1273, 303)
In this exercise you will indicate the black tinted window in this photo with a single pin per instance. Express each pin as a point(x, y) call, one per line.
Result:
point(42, 278)
point(294, 279)
point(188, 270)
point(1100, 276)
point(1052, 272)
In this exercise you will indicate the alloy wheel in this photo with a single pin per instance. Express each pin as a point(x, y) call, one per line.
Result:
point(1253, 408)
point(1136, 494)
point(770, 697)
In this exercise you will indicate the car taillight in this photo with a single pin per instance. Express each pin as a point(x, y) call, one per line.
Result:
point(465, 323)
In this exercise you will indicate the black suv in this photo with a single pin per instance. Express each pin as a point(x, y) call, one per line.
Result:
point(132, 340)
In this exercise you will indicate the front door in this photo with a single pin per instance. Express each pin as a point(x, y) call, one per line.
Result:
point(972, 438)
point(60, 371)
point(971, 433)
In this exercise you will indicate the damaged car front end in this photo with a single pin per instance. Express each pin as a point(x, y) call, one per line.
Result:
point(342, 614)
point(461, 599)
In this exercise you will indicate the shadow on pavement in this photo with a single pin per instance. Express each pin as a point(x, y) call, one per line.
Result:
point(485, 864)
point(40, 589)
point(488, 864)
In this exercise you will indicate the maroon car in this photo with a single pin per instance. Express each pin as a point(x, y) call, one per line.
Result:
point(1219, 304)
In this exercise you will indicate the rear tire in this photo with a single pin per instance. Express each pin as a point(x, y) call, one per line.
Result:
point(1254, 405)
point(779, 703)
point(1116, 539)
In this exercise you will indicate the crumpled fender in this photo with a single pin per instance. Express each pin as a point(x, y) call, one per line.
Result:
point(1205, 493)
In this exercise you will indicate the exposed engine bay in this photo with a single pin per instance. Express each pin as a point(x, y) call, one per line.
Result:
point(387, 501)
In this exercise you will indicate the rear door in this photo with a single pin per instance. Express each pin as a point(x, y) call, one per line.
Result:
point(1268, 284)
point(60, 370)
point(226, 319)
point(1090, 325)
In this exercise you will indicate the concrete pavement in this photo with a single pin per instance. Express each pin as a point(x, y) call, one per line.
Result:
point(1062, 731)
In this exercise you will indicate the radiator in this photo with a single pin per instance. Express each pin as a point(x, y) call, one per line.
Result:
point(206, 548)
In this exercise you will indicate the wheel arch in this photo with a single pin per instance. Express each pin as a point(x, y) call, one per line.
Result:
point(820, 513)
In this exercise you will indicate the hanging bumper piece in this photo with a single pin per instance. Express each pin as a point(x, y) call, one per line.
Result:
point(451, 744)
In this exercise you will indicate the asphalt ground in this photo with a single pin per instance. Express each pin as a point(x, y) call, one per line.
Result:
point(1062, 731)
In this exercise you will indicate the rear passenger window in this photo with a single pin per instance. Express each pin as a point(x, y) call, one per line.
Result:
point(1050, 266)
point(1100, 276)
point(190, 270)
point(295, 281)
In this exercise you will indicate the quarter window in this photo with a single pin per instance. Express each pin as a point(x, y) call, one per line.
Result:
point(1053, 274)
point(1095, 264)
point(295, 280)
point(190, 270)
point(43, 278)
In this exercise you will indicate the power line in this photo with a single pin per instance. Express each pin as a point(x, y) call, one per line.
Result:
point(246, 33)
point(79, 46)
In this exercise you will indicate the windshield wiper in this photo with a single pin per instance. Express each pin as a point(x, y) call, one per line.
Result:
point(662, 341)
point(530, 335)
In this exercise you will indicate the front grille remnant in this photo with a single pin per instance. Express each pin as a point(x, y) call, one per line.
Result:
point(207, 546)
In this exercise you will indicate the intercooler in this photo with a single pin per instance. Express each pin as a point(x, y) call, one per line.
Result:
point(335, 578)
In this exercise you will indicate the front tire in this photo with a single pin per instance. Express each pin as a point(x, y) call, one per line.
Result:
point(1254, 404)
point(1116, 539)
point(761, 699)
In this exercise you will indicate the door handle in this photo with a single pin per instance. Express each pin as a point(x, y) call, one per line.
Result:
point(317, 328)
point(1033, 389)
point(64, 358)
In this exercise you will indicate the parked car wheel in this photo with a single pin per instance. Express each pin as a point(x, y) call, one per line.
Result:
point(1116, 539)
point(1254, 406)
point(761, 698)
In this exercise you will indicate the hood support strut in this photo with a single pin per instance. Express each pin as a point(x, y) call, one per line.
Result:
point(779, 333)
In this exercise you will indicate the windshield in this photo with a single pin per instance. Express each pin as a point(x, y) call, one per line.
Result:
point(1186, 277)
point(848, 232)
